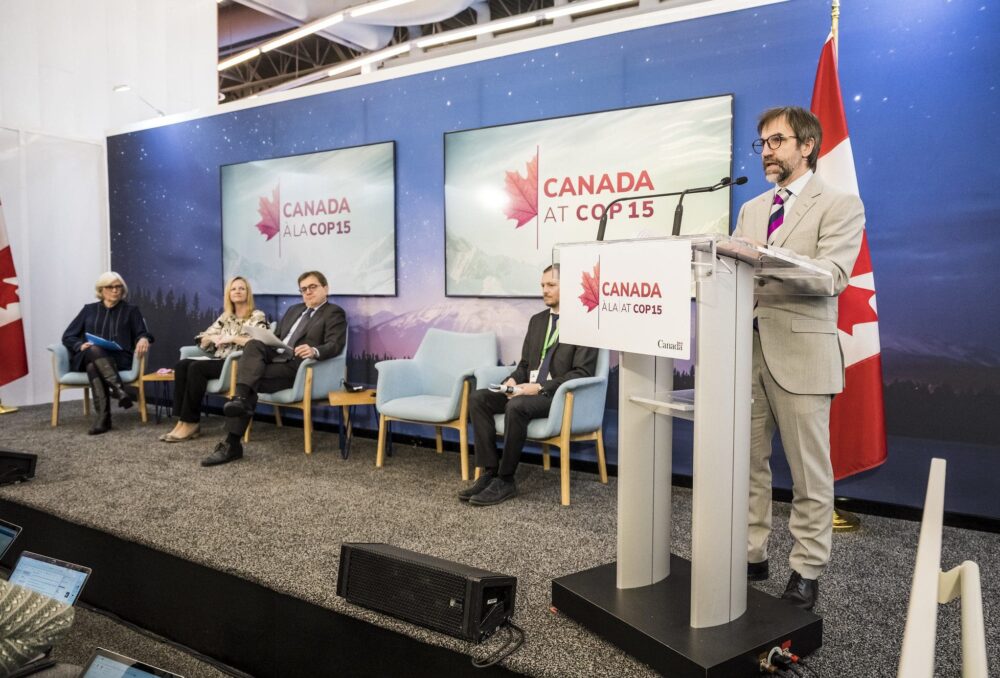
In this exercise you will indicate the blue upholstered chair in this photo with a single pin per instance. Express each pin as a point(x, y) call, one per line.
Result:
point(226, 383)
point(433, 387)
point(65, 379)
point(314, 381)
point(577, 414)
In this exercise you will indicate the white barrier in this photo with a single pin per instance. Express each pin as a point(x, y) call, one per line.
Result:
point(932, 587)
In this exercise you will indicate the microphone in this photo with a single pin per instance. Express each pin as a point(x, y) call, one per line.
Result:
point(725, 181)
point(679, 210)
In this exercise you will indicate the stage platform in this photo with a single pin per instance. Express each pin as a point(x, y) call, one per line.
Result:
point(240, 561)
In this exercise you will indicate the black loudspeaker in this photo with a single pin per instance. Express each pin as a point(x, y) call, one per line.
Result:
point(16, 466)
point(456, 599)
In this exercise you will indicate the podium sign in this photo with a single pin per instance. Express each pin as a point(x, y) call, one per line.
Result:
point(633, 296)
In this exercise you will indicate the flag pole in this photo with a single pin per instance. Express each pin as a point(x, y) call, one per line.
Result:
point(843, 521)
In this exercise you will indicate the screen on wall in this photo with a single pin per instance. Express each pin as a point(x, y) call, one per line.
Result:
point(333, 211)
point(514, 191)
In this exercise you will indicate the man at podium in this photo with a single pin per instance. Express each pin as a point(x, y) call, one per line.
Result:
point(525, 395)
point(797, 362)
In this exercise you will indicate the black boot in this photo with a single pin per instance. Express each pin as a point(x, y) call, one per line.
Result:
point(102, 406)
point(110, 376)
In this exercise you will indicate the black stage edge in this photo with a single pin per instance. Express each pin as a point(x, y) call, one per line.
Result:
point(652, 623)
point(245, 625)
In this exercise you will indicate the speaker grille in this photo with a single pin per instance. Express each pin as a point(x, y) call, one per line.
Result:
point(412, 591)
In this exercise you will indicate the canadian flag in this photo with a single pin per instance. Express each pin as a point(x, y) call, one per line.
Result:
point(857, 417)
point(13, 358)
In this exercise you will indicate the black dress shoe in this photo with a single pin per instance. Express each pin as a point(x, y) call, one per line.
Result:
point(477, 487)
point(224, 453)
point(801, 592)
point(757, 571)
point(237, 407)
point(499, 490)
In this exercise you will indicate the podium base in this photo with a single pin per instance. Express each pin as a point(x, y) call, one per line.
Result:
point(652, 623)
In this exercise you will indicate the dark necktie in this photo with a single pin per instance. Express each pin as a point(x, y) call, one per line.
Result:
point(543, 369)
point(300, 328)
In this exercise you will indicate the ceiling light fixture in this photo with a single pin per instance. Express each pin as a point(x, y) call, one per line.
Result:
point(370, 59)
point(299, 33)
point(464, 33)
point(372, 7)
point(238, 59)
point(583, 7)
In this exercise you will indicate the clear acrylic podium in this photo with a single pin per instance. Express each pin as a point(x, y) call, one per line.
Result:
point(696, 618)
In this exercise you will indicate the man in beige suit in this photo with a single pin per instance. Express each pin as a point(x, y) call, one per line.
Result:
point(797, 363)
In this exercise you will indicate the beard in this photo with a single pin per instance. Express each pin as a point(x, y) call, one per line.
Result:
point(779, 175)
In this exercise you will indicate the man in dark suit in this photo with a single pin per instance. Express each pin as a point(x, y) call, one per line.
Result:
point(314, 329)
point(527, 394)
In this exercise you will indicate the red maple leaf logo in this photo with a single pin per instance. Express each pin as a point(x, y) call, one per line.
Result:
point(591, 288)
point(8, 294)
point(523, 193)
point(855, 308)
point(270, 219)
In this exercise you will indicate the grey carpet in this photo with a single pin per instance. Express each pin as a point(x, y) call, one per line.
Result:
point(279, 512)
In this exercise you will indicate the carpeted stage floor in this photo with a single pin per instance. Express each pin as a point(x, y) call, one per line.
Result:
point(278, 518)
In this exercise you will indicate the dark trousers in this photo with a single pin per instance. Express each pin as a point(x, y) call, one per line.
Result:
point(518, 412)
point(191, 379)
point(261, 369)
point(89, 355)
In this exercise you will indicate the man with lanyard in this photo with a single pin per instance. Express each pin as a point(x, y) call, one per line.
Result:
point(797, 361)
point(525, 395)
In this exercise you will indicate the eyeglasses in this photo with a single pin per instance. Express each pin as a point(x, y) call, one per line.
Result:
point(114, 287)
point(309, 288)
point(773, 142)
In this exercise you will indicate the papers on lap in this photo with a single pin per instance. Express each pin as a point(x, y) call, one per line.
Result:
point(267, 337)
point(102, 342)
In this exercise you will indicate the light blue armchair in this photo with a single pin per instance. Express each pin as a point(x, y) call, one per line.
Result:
point(433, 387)
point(315, 378)
point(65, 379)
point(577, 414)
point(226, 383)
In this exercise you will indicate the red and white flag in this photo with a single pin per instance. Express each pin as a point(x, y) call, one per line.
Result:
point(13, 357)
point(857, 417)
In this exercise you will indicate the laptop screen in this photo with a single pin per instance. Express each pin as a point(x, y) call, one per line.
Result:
point(108, 664)
point(56, 579)
point(8, 533)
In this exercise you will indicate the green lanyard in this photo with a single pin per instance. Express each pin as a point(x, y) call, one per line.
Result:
point(550, 338)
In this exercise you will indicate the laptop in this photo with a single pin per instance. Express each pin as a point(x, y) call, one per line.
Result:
point(107, 664)
point(8, 533)
point(54, 578)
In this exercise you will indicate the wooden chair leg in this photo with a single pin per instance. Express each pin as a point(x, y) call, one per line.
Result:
point(546, 460)
point(438, 442)
point(565, 432)
point(246, 434)
point(380, 448)
point(476, 475)
point(86, 402)
point(142, 402)
point(307, 424)
point(601, 464)
point(55, 406)
point(463, 450)
point(277, 417)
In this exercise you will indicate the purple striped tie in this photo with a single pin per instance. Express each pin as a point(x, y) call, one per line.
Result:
point(777, 212)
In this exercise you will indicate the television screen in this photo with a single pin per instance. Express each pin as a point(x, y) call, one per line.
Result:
point(332, 211)
point(514, 191)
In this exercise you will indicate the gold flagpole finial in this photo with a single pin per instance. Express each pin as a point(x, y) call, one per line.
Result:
point(6, 410)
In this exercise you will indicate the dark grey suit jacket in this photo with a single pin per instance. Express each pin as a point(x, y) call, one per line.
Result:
point(326, 331)
point(568, 362)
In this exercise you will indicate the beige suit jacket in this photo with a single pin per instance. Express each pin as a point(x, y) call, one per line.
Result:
point(798, 334)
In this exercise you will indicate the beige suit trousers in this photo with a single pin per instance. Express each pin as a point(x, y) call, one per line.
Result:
point(804, 422)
